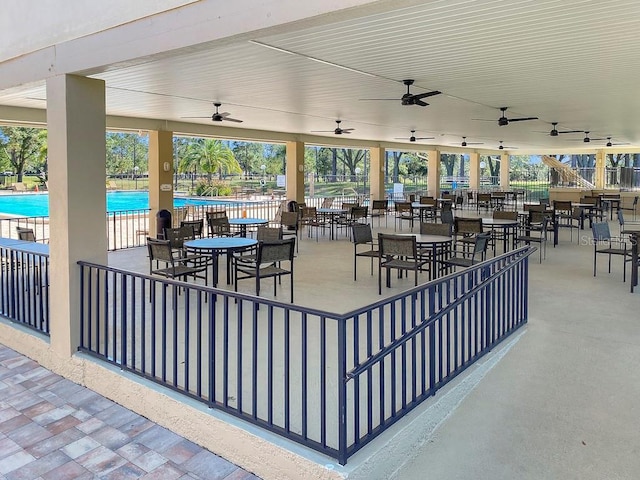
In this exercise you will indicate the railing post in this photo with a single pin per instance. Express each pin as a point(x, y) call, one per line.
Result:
point(342, 393)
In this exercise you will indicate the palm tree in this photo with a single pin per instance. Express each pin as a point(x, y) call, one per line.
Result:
point(210, 156)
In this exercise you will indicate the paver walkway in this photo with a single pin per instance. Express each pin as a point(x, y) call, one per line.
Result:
point(52, 428)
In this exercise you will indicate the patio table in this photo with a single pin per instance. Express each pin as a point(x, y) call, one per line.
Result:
point(439, 245)
point(217, 245)
point(244, 223)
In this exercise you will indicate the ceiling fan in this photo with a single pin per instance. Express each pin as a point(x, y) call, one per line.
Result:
point(554, 131)
point(465, 143)
point(337, 131)
point(610, 144)
point(219, 117)
point(503, 120)
point(410, 98)
point(413, 137)
point(586, 138)
point(502, 147)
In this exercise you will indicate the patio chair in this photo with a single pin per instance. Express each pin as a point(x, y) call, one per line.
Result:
point(175, 268)
point(379, 209)
point(483, 200)
point(466, 259)
point(290, 223)
point(218, 224)
point(28, 235)
point(176, 237)
point(539, 235)
point(263, 234)
point(196, 225)
point(327, 202)
point(268, 264)
point(398, 252)
point(361, 235)
point(612, 246)
point(465, 231)
point(309, 218)
point(633, 208)
point(405, 213)
point(357, 214)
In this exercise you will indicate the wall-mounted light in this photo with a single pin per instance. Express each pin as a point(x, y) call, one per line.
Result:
point(166, 166)
point(301, 168)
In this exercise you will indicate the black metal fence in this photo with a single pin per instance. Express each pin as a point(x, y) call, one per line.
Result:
point(24, 288)
point(330, 382)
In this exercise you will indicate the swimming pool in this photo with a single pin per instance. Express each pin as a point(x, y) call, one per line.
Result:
point(31, 205)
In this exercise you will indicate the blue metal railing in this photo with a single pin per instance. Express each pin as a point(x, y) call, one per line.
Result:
point(328, 381)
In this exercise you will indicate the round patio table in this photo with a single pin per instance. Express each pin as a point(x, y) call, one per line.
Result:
point(508, 228)
point(243, 223)
point(440, 246)
point(217, 245)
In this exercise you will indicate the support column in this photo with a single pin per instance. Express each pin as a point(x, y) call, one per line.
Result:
point(376, 173)
point(474, 172)
point(599, 174)
point(160, 176)
point(504, 171)
point(433, 173)
point(295, 171)
point(76, 150)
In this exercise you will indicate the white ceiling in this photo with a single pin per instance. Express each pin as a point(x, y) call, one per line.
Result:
point(572, 62)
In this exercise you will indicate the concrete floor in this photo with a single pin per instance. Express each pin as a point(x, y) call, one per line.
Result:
point(559, 401)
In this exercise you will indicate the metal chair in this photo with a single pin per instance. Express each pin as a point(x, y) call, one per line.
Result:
point(380, 208)
point(196, 225)
point(404, 212)
point(398, 252)
point(613, 246)
point(462, 259)
point(268, 264)
point(529, 236)
point(361, 235)
point(290, 223)
point(175, 268)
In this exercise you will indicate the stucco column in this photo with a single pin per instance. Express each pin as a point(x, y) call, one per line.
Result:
point(474, 171)
point(433, 173)
point(295, 171)
point(160, 175)
point(599, 174)
point(504, 171)
point(376, 173)
point(76, 150)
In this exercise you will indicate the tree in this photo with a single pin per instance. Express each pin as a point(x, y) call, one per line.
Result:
point(21, 145)
point(250, 155)
point(210, 156)
point(350, 158)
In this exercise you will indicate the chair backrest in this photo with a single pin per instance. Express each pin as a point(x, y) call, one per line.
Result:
point(327, 202)
point(361, 233)
point(276, 251)
point(544, 200)
point(380, 205)
point(348, 206)
point(218, 224)
point(621, 219)
point(179, 215)
point(459, 200)
point(403, 207)
point(446, 216)
point(426, 200)
point(397, 245)
point(196, 225)
point(562, 206)
point(590, 200)
point(468, 226)
point(428, 228)
point(502, 215)
point(26, 234)
point(576, 213)
point(480, 245)
point(281, 208)
point(310, 213)
point(446, 206)
point(484, 197)
point(289, 219)
point(359, 212)
point(600, 231)
point(536, 208)
point(159, 250)
point(176, 236)
point(268, 234)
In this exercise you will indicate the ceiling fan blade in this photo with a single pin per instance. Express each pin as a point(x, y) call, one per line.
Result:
point(322, 131)
point(419, 102)
point(391, 99)
point(208, 116)
point(571, 131)
point(522, 119)
point(425, 138)
point(427, 94)
point(229, 119)
point(484, 119)
point(347, 130)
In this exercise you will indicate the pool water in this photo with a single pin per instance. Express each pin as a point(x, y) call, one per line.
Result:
point(32, 205)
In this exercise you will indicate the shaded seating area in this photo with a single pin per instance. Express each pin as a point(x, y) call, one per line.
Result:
point(218, 224)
